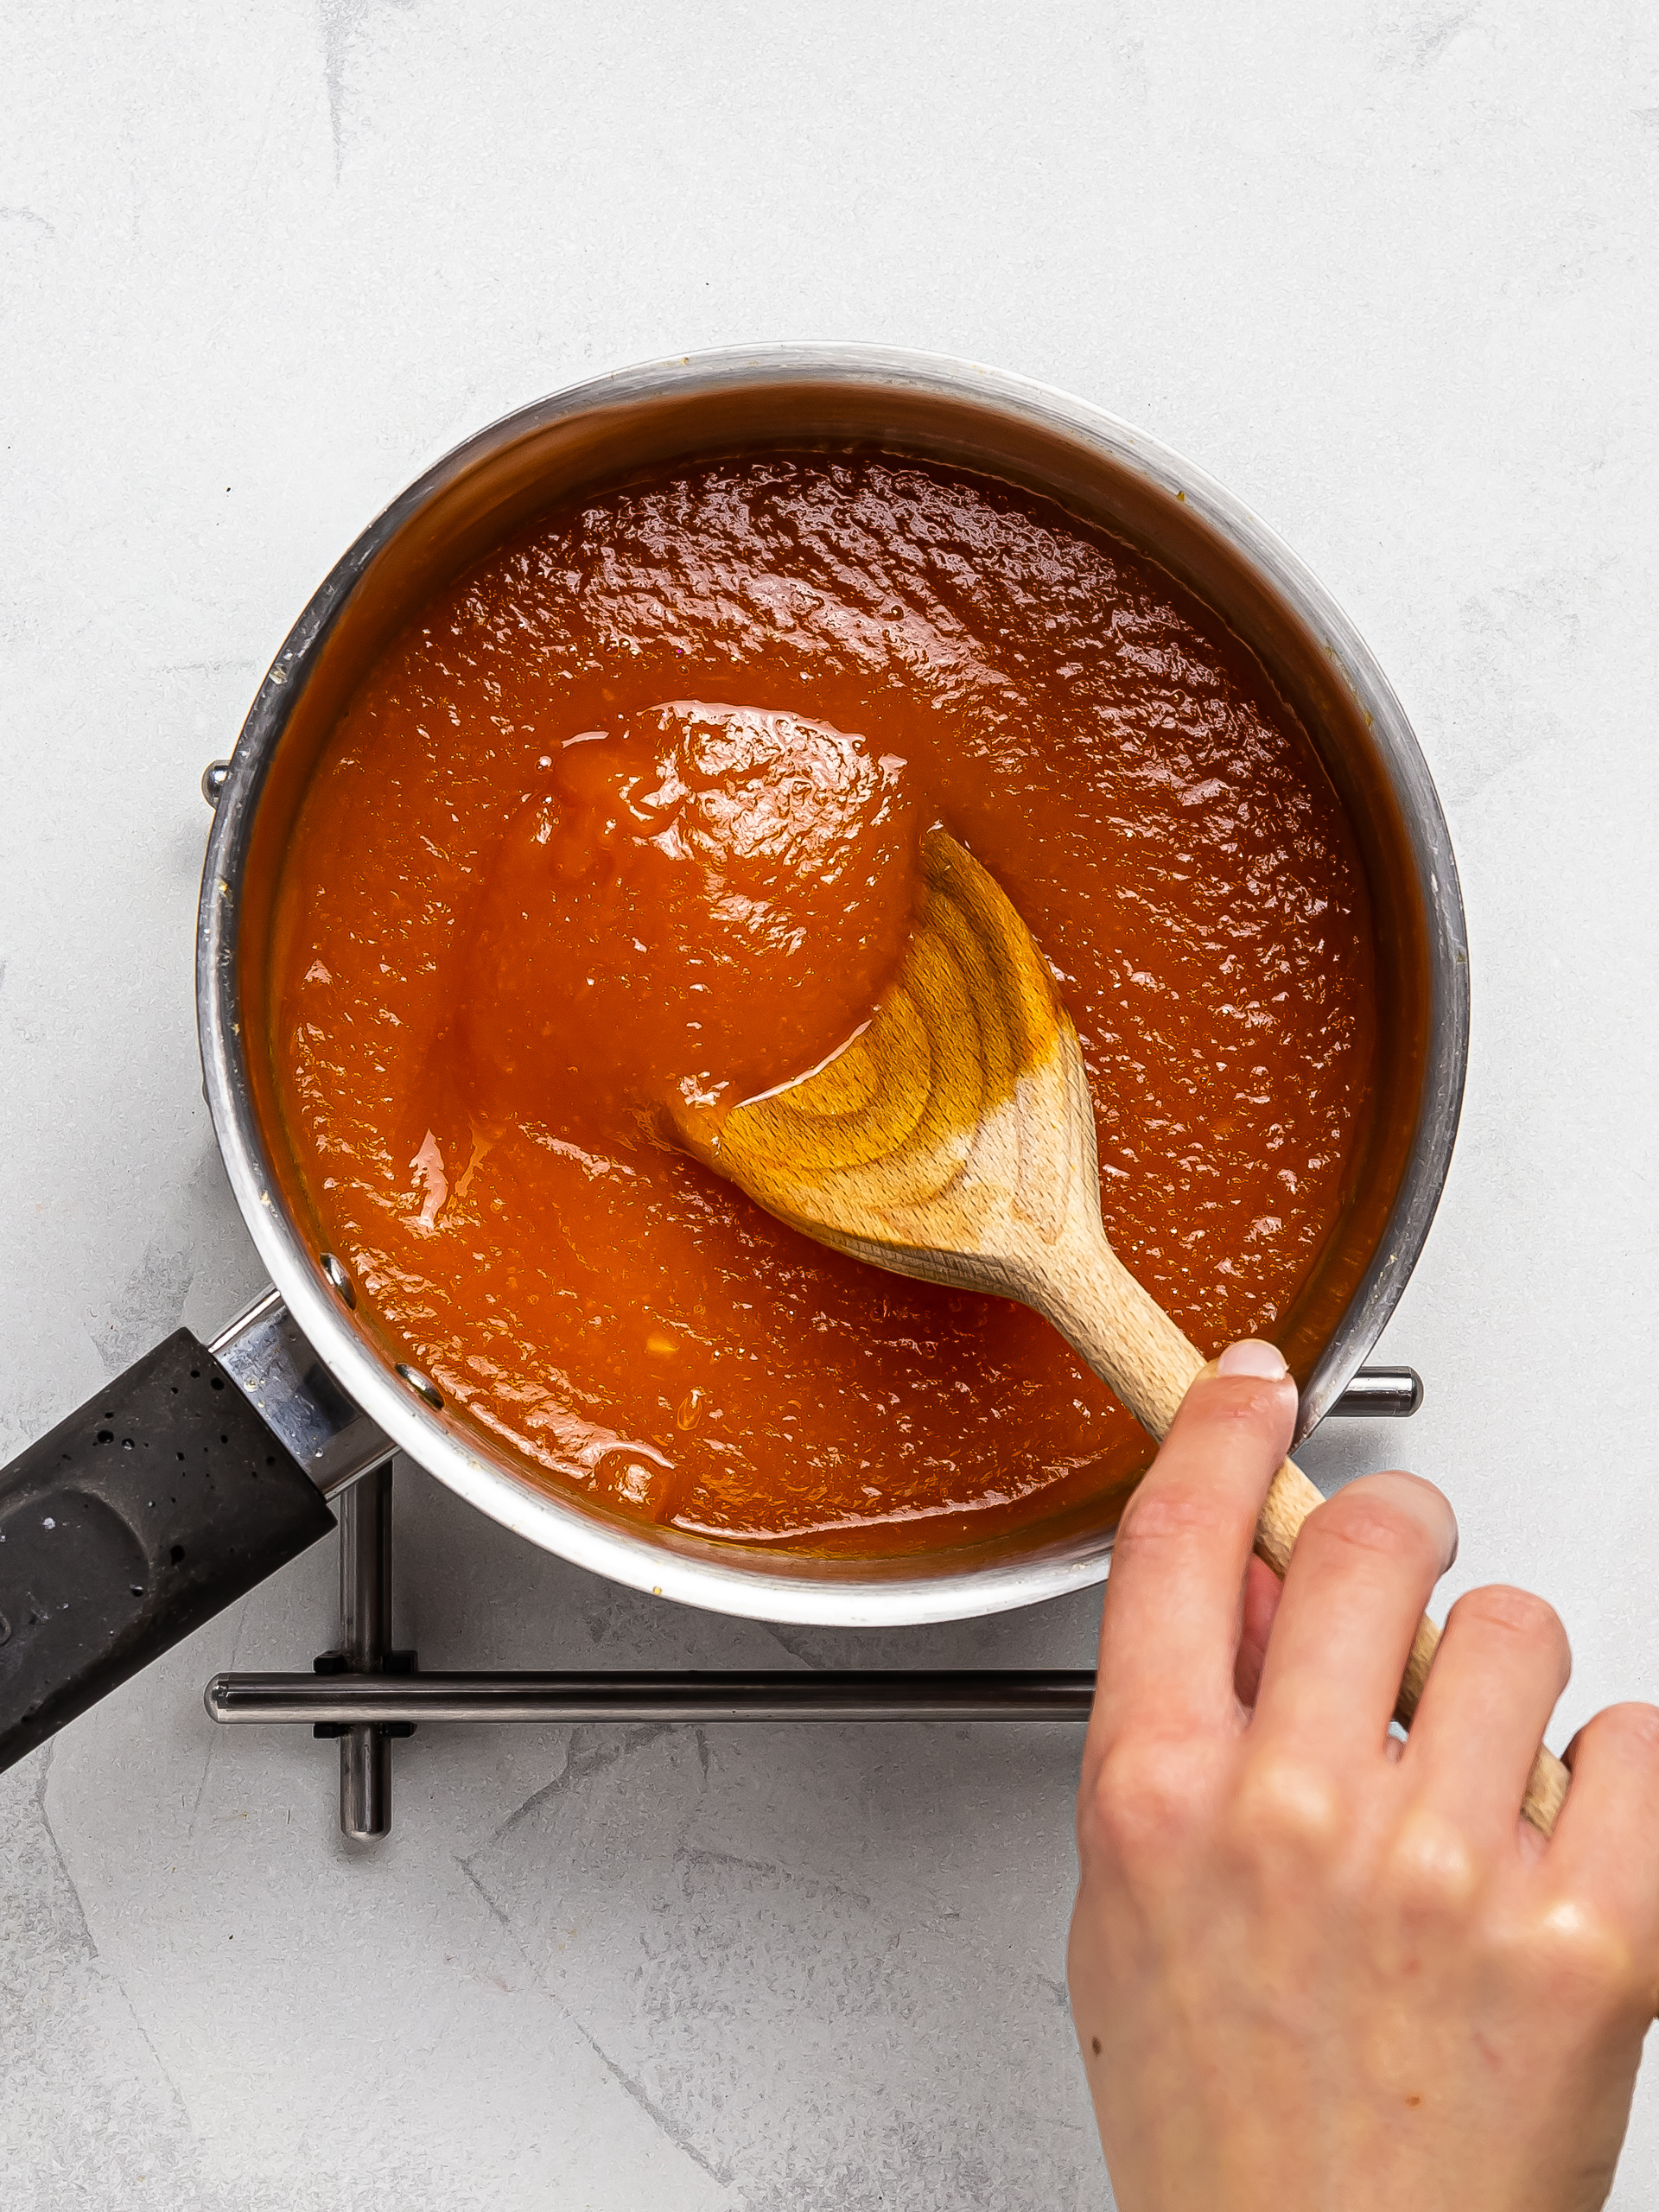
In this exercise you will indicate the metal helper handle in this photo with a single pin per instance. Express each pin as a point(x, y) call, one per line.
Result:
point(1379, 1394)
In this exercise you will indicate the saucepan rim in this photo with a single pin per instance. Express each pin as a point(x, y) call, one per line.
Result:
point(730, 1579)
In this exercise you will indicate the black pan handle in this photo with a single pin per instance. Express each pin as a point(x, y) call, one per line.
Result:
point(160, 1502)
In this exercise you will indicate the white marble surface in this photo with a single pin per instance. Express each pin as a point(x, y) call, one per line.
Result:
point(1387, 269)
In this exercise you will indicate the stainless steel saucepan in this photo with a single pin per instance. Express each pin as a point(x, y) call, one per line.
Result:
point(205, 1468)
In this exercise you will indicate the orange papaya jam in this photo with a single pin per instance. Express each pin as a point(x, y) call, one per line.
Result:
point(632, 810)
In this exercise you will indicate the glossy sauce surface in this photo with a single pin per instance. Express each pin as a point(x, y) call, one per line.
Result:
point(698, 906)
point(633, 806)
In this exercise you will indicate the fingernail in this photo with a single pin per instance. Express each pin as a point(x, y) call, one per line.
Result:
point(1251, 1356)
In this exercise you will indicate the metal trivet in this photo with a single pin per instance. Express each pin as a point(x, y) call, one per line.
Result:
point(366, 1694)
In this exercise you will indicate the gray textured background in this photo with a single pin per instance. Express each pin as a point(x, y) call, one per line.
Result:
point(1388, 271)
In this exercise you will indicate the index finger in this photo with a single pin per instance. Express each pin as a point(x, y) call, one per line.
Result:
point(1170, 1625)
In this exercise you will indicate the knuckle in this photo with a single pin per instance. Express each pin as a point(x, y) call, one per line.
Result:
point(1431, 1872)
point(1143, 1799)
point(1572, 1955)
point(1288, 1805)
point(1362, 1526)
point(1630, 1732)
point(1250, 1403)
point(1164, 1515)
point(1518, 1616)
point(1246, 1399)
point(1383, 1523)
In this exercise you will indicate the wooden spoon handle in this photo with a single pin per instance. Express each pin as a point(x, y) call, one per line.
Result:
point(1123, 1333)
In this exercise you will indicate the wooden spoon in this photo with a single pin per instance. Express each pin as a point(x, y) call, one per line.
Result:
point(954, 1139)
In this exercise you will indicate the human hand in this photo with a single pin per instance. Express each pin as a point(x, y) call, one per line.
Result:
point(1314, 1969)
